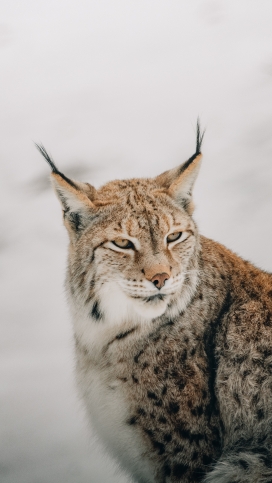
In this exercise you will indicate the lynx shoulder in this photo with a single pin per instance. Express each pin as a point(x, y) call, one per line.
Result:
point(173, 332)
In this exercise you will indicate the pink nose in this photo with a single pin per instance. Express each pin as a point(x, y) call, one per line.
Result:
point(159, 279)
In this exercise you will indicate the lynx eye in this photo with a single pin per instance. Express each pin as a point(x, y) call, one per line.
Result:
point(123, 243)
point(174, 236)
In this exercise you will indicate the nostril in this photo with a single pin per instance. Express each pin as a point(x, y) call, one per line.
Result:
point(159, 279)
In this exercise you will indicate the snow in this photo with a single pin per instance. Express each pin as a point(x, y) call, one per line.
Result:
point(113, 89)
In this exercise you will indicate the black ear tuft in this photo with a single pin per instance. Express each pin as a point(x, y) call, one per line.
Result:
point(199, 139)
point(199, 136)
point(54, 168)
point(45, 154)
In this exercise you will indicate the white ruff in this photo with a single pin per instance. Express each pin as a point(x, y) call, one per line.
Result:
point(101, 389)
point(121, 311)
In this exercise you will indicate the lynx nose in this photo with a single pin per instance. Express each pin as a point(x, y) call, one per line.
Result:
point(159, 279)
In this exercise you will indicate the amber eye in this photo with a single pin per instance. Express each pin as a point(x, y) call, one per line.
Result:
point(174, 236)
point(123, 243)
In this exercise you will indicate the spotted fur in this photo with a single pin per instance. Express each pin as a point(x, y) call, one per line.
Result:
point(178, 380)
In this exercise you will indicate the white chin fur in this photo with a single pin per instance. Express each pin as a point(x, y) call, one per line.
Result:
point(150, 309)
point(119, 307)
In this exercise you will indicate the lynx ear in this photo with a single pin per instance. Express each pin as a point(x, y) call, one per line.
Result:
point(179, 182)
point(76, 198)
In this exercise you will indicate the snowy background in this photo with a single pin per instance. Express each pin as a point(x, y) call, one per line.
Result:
point(113, 89)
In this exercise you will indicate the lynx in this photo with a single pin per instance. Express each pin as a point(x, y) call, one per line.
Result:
point(173, 332)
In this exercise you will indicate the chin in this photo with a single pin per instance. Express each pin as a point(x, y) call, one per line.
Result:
point(151, 309)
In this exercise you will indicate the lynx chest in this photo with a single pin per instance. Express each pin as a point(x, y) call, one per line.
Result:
point(149, 400)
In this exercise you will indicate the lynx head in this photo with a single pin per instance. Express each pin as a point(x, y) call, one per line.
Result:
point(133, 243)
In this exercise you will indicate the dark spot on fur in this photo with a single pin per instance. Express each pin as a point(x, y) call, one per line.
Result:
point(151, 395)
point(173, 408)
point(240, 358)
point(159, 446)
point(135, 379)
point(200, 296)
point(174, 373)
point(260, 414)
point(267, 461)
point(267, 352)
point(216, 432)
point(167, 438)
point(198, 411)
point(132, 420)
point(136, 358)
point(149, 432)
point(178, 449)
point(179, 470)
point(162, 420)
point(183, 356)
point(158, 403)
point(181, 385)
point(207, 459)
point(166, 470)
point(145, 365)
point(141, 412)
point(246, 373)
point(244, 464)
point(164, 390)
point(122, 335)
point(184, 433)
point(197, 437)
point(194, 456)
point(236, 397)
point(123, 379)
point(96, 312)
point(156, 370)
point(189, 371)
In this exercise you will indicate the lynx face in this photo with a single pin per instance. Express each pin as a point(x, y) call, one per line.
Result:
point(142, 242)
point(133, 243)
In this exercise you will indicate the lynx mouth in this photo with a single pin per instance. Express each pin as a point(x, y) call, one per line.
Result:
point(151, 298)
point(158, 296)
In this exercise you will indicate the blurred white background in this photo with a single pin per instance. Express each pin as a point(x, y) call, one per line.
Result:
point(113, 89)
